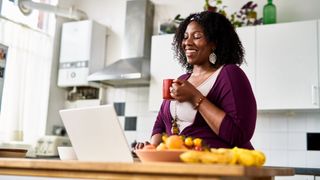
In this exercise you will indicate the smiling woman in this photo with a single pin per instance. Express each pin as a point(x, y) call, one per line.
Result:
point(213, 101)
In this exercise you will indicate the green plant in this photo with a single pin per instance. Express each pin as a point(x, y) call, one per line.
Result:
point(170, 26)
point(246, 16)
point(215, 6)
point(178, 19)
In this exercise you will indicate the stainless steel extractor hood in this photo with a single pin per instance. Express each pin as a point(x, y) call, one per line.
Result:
point(134, 69)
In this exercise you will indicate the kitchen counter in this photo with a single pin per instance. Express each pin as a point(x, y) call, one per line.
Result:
point(137, 170)
point(307, 171)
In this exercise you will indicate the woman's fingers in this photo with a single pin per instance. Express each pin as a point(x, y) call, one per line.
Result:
point(178, 81)
point(182, 90)
point(140, 145)
point(176, 85)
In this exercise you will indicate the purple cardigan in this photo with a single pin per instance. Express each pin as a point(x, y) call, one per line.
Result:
point(233, 94)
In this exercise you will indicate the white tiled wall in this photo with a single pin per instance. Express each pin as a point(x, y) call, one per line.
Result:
point(136, 104)
point(280, 135)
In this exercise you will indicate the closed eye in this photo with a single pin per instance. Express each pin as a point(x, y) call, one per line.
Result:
point(197, 35)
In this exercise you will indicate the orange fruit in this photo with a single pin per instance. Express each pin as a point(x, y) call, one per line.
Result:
point(174, 142)
point(188, 142)
point(197, 142)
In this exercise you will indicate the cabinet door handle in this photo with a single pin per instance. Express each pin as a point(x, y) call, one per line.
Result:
point(315, 95)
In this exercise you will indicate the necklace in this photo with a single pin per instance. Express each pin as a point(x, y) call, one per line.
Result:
point(203, 72)
point(175, 127)
point(198, 79)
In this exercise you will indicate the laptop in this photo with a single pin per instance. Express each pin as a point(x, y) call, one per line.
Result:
point(96, 134)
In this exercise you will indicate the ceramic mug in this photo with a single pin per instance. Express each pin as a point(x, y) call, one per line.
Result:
point(166, 88)
point(66, 153)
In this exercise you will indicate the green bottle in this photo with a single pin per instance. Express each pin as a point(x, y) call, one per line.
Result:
point(269, 13)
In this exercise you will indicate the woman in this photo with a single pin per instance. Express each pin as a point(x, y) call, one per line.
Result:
point(214, 100)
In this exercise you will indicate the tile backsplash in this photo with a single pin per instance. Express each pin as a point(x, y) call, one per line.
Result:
point(134, 116)
point(282, 136)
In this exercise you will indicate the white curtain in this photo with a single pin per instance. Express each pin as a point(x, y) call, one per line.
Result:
point(26, 85)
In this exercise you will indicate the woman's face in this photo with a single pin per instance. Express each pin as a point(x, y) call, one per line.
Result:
point(195, 45)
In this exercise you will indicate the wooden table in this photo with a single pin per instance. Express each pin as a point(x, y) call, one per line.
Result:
point(137, 171)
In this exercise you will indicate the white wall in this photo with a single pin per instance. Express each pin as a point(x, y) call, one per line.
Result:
point(282, 136)
point(57, 95)
point(112, 13)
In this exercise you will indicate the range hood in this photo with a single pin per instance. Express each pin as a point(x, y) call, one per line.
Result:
point(134, 69)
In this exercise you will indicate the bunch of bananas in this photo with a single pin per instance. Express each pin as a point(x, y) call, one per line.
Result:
point(225, 156)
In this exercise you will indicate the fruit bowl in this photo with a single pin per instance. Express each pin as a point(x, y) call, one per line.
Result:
point(146, 155)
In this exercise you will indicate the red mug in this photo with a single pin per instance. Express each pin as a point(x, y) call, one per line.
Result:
point(166, 88)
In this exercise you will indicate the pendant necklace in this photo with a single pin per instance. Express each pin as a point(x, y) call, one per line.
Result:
point(175, 129)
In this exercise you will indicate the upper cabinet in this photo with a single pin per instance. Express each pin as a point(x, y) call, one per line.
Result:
point(287, 66)
point(247, 38)
point(163, 65)
point(281, 62)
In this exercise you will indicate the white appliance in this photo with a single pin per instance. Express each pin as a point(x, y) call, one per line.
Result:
point(82, 52)
point(47, 145)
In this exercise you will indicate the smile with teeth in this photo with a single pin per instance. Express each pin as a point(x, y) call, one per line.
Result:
point(190, 52)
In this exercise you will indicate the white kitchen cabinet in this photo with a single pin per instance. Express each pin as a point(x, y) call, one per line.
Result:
point(247, 38)
point(287, 66)
point(162, 66)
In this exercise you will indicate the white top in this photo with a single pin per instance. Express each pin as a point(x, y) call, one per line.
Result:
point(185, 111)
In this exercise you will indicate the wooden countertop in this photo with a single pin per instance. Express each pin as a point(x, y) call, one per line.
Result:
point(156, 170)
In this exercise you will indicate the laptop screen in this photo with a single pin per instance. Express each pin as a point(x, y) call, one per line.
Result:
point(96, 134)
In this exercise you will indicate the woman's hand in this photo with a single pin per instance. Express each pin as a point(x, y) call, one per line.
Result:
point(184, 91)
point(155, 140)
point(141, 145)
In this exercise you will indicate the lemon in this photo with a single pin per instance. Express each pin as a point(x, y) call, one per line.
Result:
point(197, 142)
point(164, 138)
point(188, 142)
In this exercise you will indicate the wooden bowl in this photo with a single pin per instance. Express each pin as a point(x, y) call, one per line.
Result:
point(164, 155)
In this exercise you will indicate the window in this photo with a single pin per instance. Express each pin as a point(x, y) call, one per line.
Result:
point(37, 19)
point(3, 55)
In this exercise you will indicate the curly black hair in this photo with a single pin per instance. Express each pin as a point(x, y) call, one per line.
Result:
point(217, 29)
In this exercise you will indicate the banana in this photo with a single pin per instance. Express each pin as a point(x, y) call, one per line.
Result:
point(260, 157)
point(236, 155)
point(191, 156)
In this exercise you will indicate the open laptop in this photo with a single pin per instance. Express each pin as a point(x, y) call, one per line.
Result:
point(96, 134)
